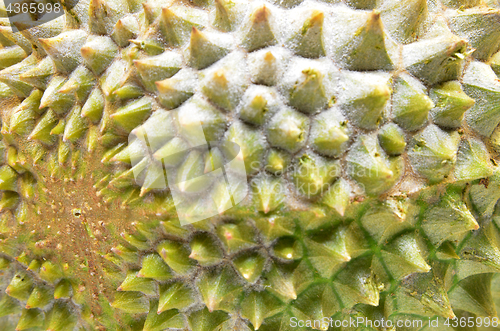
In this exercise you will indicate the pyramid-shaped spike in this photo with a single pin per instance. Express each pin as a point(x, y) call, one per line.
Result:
point(392, 139)
point(450, 104)
point(112, 77)
point(76, 126)
point(11, 38)
point(11, 76)
point(356, 284)
point(224, 86)
point(329, 254)
point(94, 106)
point(308, 93)
point(481, 26)
point(43, 129)
point(251, 143)
point(11, 55)
point(98, 52)
point(330, 133)
point(103, 15)
point(205, 250)
point(473, 294)
point(257, 306)
point(365, 105)
point(318, 302)
point(405, 20)
point(385, 219)
point(250, 266)
point(30, 318)
point(218, 288)
point(141, 284)
point(202, 52)
point(433, 153)
point(176, 23)
point(176, 256)
point(308, 40)
point(288, 130)
point(422, 294)
point(60, 103)
point(410, 103)
point(480, 83)
point(22, 120)
point(370, 166)
point(227, 14)
point(461, 219)
point(131, 115)
point(125, 29)
point(175, 296)
point(64, 49)
point(49, 29)
point(479, 253)
point(40, 75)
point(338, 196)
point(436, 60)
point(157, 68)
point(473, 161)
point(258, 31)
point(403, 256)
point(79, 82)
point(268, 193)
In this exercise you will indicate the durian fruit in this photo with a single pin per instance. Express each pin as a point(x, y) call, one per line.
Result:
point(251, 165)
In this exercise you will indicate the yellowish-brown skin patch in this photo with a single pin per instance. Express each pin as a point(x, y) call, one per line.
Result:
point(72, 226)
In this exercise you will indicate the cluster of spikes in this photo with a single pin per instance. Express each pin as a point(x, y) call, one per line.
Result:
point(370, 138)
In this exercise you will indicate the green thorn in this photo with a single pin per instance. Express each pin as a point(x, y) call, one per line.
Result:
point(75, 126)
point(39, 297)
point(20, 286)
point(268, 193)
point(131, 302)
point(258, 32)
point(176, 22)
point(219, 289)
point(403, 256)
point(125, 29)
point(433, 152)
point(410, 103)
point(458, 219)
point(30, 318)
point(338, 196)
point(154, 267)
point(481, 27)
point(60, 103)
point(64, 49)
point(22, 120)
point(369, 166)
point(80, 82)
point(157, 68)
point(330, 133)
point(133, 114)
point(392, 139)
point(288, 129)
point(175, 296)
point(172, 92)
point(40, 75)
point(450, 104)
point(205, 250)
point(176, 256)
